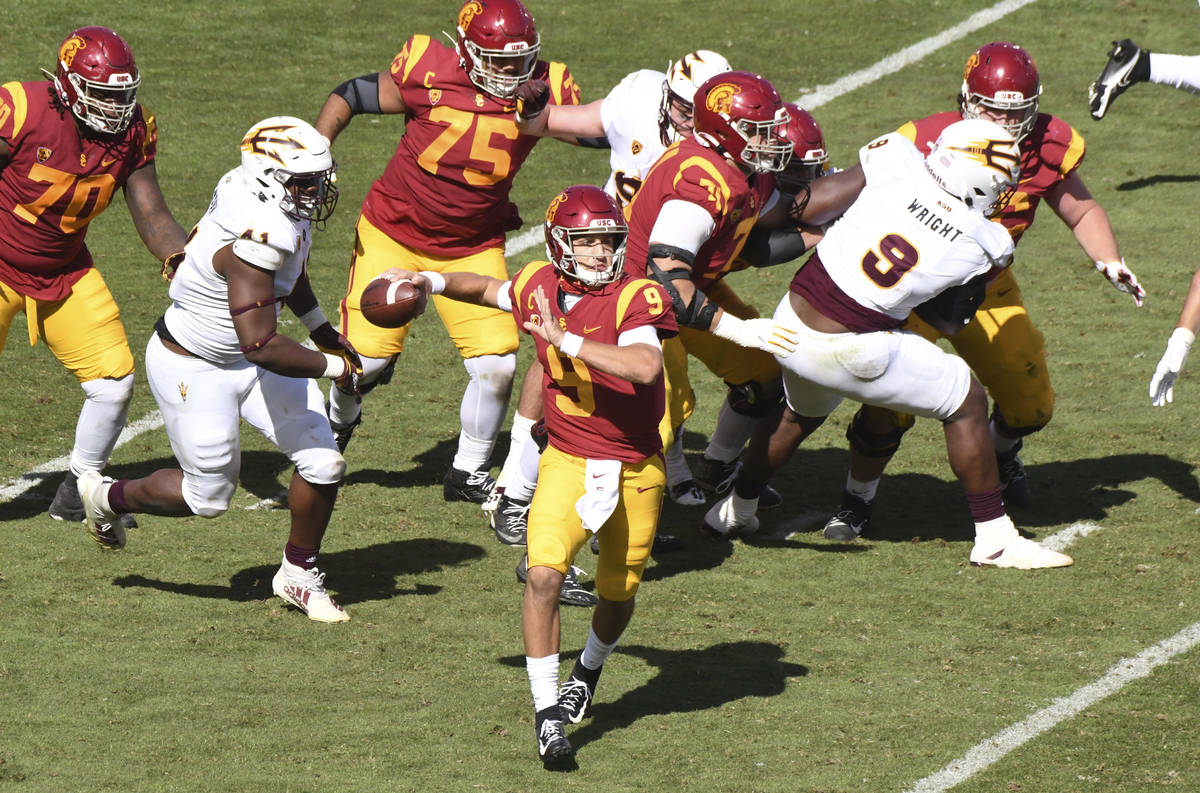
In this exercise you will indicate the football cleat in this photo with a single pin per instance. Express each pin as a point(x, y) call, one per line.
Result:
point(769, 498)
point(102, 523)
point(472, 486)
point(343, 432)
point(492, 501)
point(663, 543)
point(1019, 553)
point(576, 693)
point(572, 592)
point(1013, 479)
point(1118, 75)
point(715, 476)
point(510, 520)
point(305, 589)
point(66, 504)
point(554, 750)
point(720, 520)
point(686, 494)
point(851, 520)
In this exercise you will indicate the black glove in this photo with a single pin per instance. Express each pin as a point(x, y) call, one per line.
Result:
point(531, 97)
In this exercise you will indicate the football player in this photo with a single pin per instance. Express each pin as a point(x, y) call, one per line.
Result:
point(1128, 64)
point(442, 203)
point(216, 358)
point(1002, 346)
point(848, 301)
point(598, 332)
point(66, 145)
point(1162, 384)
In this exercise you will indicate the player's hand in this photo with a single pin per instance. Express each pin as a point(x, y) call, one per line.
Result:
point(171, 264)
point(542, 324)
point(1162, 384)
point(418, 280)
point(329, 341)
point(1123, 279)
point(531, 97)
point(761, 334)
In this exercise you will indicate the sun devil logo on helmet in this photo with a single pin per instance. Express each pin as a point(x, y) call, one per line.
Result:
point(268, 140)
point(995, 154)
point(468, 13)
point(720, 98)
point(66, 53)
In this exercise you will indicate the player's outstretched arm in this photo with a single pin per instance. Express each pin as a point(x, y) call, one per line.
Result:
point(153, 220)
point(373, 94)
point(481, 290)
point(1162, 384)
point(1087, 220)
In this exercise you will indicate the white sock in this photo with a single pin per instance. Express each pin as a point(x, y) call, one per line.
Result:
point(473, 453)
point(518, 436)
point(730, 435)
point(595, 652)
point(484, 405)
point(543, 680)
point(1178, 71)
point(862, 490)
point(524, 479)
point(677, 467)
point(995, 532)
point(743, 508)
point(100, 422)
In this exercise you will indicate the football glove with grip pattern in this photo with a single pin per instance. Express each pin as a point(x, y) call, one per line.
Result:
point(1123, 279)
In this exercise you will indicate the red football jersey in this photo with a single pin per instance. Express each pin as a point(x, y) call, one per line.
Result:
point(56, 181)
point(1048, 155)
point(591, 413)
point(690, 171)
point(445, 190)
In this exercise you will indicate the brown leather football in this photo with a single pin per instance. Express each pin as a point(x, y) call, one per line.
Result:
point(390, 304)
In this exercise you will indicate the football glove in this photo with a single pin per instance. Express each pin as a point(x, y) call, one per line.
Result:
point(330, 342)
point(1123, 279)
point(531, 97)
point(1162, 384)
point(171, 264)
point(760, 334)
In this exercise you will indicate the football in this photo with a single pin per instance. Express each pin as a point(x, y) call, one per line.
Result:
point(391, 304)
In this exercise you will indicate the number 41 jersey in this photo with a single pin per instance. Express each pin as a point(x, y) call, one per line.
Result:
point(590, 413)
point(905, 239)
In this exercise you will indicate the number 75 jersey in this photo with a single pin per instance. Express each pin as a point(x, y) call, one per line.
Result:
point(905, 240)
point(56, 181)
point(590, 413)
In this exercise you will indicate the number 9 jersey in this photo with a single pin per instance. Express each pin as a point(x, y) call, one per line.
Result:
point(55, 182)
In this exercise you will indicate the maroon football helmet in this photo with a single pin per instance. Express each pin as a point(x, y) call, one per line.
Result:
point(585, 212)
point(497, 44)
point(96, 79)
point(741, 115)
point(808, 150)
point(1001, 76)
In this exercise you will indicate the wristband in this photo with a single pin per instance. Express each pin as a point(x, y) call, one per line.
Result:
point(570, 344)
point(313, 318)
point(436, 280)
point(335, 366)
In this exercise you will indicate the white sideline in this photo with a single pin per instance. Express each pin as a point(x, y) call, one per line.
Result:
point(530, 237)
point(1121, 674)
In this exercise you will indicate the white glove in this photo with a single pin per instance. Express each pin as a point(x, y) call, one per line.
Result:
point(762, 334)
point(1162, 385)
point(1123, 279)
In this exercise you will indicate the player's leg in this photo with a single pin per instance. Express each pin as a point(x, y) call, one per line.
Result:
point(288, 412)
point(529, 410)
point(874, 436)
point(85, 333)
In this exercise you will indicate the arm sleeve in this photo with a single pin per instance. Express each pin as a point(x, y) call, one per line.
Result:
point(642, 334)
point(682, 224)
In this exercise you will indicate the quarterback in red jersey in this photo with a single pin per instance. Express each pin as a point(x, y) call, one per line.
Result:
point(687, 225)
point(66, 145)
point(598, 332)
point(1002, 346)
point(442, 204)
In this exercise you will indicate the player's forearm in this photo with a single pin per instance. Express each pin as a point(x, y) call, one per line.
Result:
point(1095, 235)
point(334, 117)
point(481, 290)
point(637, 363)
point(1189, 317)
point(830, 196)
point(283, 356)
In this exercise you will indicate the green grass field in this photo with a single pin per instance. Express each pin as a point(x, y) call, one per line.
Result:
point(763, 665)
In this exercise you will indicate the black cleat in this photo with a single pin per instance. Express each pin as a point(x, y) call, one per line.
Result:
point(554, 750)
point(510, 520)
point(572, 592)
point(67, 504)
point(343, 432)
point(1127, 64)
point(1013, 479)
point(851, 520)
point(472, 486)
point(686, 494)
point(576, 693)
point(769, 498)
point(714, 476)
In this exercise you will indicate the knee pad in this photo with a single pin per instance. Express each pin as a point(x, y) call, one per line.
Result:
point(110, 391)
point(493, 372)
point(376, 372)
point(1008, 431)
point(208, 495)
point(319, 466)
point(874, 444)
point(754, 399)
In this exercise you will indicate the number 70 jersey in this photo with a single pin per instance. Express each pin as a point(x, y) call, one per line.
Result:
point(905, 240)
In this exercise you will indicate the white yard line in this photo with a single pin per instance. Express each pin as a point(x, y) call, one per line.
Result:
point(1120, 675)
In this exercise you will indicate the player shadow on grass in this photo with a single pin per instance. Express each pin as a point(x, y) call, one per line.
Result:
point(360, 574)
point(1161, 178)
point(424, 469)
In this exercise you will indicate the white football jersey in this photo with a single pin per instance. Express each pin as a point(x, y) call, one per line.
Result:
point(198, 317)
point(630, 117)
point(905, 239)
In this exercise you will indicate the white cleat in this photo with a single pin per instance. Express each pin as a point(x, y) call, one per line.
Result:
point(305, 589)
point(722, 521)
point(1019, 553)
point(102, 523)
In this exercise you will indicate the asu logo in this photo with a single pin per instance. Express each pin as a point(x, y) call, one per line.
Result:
point(995, 154)
point(435, 95)
point(554, 205)
point(720, 98)
point(183, 389)
point(265, 140)
point(636, 148)
point(69, 48)
point(468, 13)
point(43, 153)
